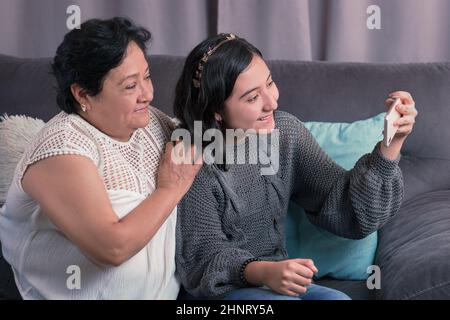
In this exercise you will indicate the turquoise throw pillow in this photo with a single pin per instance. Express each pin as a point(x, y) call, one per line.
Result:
point(334, 256)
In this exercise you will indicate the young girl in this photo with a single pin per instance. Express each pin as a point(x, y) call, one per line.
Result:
point(230, 234)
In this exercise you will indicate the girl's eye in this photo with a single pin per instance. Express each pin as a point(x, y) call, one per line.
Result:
point(131, 86)
point(253, 99)
point(147, 77)
point(270, 83)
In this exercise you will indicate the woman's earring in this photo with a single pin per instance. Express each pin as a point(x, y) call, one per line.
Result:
point(83, 107)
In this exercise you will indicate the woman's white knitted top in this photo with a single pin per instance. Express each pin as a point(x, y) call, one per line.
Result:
point(46, 264)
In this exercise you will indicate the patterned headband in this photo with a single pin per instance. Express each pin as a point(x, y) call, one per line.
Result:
point(198, 73)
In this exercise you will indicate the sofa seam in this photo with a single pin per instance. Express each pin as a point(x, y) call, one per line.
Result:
point(421, 292)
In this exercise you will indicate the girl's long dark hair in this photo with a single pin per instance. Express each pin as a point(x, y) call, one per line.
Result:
point(217, 80)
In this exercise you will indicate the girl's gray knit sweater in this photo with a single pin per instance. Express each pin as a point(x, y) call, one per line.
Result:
point(229, 216)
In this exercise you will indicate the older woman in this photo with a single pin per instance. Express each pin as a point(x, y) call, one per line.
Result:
point(230, 234)
point(91, 212)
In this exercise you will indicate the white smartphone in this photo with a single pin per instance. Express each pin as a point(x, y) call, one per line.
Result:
point(389, 128)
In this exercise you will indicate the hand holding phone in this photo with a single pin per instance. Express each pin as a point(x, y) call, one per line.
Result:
point(391, 116)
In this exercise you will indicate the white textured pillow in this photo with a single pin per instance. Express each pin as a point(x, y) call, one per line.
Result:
point(16, 133)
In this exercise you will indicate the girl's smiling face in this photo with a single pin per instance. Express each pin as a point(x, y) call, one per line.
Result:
point(253, 99)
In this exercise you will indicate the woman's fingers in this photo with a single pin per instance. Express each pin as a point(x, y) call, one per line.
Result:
point(168, 151)
point(177, 152)
point(190, 154)
point(196, 155)
point(185, 154)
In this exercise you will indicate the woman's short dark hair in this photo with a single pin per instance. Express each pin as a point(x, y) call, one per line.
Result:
point(218, 77)
point(87, 54)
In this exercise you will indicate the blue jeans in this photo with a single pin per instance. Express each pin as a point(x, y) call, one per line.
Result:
point(313, 292)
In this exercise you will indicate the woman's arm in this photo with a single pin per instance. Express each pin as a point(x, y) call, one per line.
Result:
point(73, 196)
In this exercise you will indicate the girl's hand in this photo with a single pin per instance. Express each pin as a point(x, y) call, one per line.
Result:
point(408, 113)
point(290, 277)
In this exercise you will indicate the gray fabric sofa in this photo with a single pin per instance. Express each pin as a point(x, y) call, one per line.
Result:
point(414, 248)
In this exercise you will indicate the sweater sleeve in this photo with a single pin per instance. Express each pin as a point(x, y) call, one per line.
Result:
point(208, 264)
point(351, 204)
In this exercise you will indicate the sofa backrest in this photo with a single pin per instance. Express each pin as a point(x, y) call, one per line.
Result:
point(320, 91)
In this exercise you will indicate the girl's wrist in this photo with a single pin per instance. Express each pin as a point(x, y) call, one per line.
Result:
point(393, 151)
point(257, 272)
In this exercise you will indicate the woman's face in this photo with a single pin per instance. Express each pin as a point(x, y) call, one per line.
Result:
point(121, 107)
point(253, 99)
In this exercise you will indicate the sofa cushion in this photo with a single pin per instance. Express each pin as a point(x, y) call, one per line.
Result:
point(16, 133)
point(414, 250)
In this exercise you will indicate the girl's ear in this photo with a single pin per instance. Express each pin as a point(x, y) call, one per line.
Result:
point(218, 117)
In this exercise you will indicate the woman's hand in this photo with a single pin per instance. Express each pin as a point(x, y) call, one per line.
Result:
point(405, 124)
point(289, 277)
point(177, 169)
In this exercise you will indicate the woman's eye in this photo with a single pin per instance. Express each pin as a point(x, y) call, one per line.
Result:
point(147, 77)
point(131, 86)
point(253, 99)
point(270, 83)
